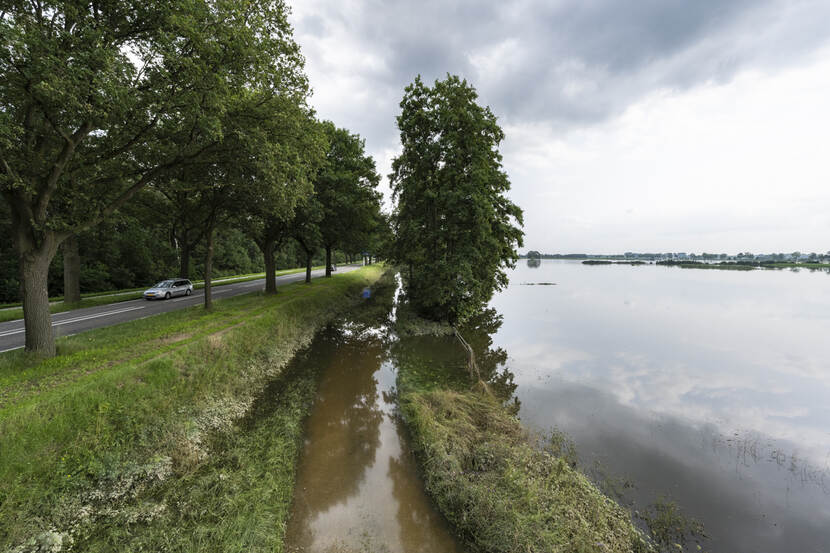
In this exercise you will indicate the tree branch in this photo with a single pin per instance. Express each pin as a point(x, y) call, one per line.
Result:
point(45, 193)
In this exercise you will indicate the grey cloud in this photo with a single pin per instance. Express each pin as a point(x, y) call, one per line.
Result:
point(578, 62)
point(313, 25)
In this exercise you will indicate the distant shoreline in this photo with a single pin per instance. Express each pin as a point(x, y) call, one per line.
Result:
point(722, 265)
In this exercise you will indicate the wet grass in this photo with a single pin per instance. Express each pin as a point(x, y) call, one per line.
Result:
point(670, 528)
point(489, 477)
point(500, 491)
point(130, 439)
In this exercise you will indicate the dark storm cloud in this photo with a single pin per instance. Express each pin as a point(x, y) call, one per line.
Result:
point(575, 62)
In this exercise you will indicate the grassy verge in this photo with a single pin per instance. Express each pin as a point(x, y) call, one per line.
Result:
point(139, 436)
point(491, 481)
point(95, 299)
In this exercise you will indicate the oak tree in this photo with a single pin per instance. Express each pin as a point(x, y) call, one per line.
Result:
point(100, 98)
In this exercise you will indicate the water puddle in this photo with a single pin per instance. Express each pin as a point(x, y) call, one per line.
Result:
point(358, 488)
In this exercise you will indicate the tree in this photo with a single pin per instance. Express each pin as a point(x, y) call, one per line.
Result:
point(248, 166)
point(305, 228)
point(297, 146)
point(98, 99)
point(455, 230)
point(71, 270)
point(345, 187)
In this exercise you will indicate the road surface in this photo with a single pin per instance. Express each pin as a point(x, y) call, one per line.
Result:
point(13, 335)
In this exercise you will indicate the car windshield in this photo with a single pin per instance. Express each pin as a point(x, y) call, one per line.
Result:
point(164, 284)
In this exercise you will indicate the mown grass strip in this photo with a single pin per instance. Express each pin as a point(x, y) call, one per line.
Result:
point(90, 440)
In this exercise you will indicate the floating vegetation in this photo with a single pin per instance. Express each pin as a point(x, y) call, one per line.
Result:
point(670, 528)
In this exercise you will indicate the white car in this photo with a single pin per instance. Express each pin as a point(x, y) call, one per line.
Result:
point(166, 289)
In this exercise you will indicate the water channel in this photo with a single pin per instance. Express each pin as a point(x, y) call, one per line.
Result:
point(358, 487)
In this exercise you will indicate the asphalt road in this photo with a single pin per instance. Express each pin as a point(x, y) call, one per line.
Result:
point(12, 333)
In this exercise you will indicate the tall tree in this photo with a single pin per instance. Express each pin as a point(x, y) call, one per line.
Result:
point(305, 228)
point(71, 270)
point(455, 229)
point(180, 209)
point(346, 189)
point(99, 98)
point(296, 150)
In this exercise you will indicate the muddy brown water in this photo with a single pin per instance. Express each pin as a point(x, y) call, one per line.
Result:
point(358, 487)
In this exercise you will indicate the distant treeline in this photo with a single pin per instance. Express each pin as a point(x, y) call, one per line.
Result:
point(743, 265)
point(609, 262)
point(536, 255)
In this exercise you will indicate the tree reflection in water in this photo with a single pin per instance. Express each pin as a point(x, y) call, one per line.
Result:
point(343, 431)
point(357, 485)
point(492, 362)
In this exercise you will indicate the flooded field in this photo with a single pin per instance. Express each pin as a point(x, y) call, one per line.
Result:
point(357, 487)
point(707, 388)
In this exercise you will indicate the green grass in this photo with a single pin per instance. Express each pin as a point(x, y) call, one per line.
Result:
point(134, 438)
point(500, 492)
point(95, 299)
point(487, 475)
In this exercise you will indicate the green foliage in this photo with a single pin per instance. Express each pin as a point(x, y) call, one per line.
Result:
point(100, 99)
point(455, 230)
point(137, 428)
point(669, 527)
point(345, 187)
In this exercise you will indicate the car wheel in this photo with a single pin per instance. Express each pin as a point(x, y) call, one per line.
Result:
point(189, 291)
point(167, 296)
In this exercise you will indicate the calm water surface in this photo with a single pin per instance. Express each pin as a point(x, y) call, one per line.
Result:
point(710, 388)
point(357, 485)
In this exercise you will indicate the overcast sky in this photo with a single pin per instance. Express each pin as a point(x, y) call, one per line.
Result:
point(648, 125)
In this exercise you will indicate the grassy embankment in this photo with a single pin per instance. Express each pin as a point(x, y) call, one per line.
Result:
point(490, 480)
point(139, 436)
point(13, 311)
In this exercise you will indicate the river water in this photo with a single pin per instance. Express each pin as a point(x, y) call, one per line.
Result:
point(709, 388)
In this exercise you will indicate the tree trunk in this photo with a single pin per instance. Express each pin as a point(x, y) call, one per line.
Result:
point(71, 270)
point(208, 268)
point(184, 258)
point(328, 261)
point(270, 266)
point(308, 255)
point(34, 272)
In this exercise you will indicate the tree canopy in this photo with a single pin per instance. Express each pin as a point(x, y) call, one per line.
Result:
point(456, 231)
point(99, 99)
point(345, 188)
